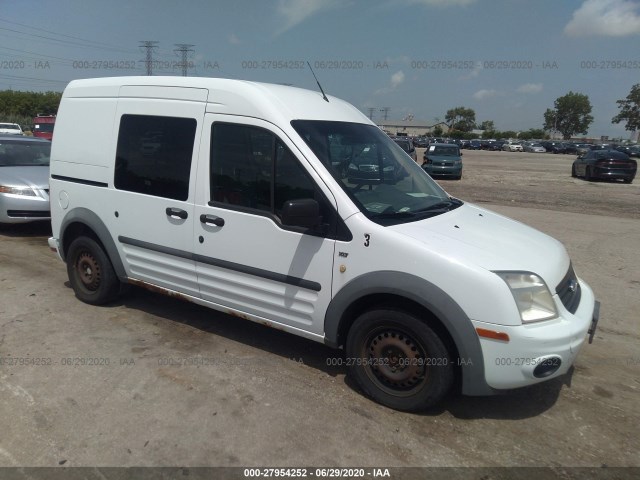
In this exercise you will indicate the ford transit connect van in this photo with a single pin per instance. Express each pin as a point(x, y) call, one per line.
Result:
point(285, 207)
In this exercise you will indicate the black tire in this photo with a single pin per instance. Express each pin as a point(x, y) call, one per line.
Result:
point(573, 171)
point(628, 180)
point(399, 361)
point(90, 272)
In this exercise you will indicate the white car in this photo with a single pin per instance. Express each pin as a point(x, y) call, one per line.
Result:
point(512, 147)
point(11, 129)
point(291, 208)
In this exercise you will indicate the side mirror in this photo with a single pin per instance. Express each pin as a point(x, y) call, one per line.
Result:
point(303, 212)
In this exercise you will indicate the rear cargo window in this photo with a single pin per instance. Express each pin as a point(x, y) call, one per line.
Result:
point(154, 155)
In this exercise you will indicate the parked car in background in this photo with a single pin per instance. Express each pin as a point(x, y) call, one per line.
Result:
point(631, 150)
point(474, 145)
point(570, 148)
point(495, 145)
point(512, 147)
point(421, 142)
point(443, 160)
point(534, 147)
point(582, 148)
point(554, 147)
point(605, 164)
point(407, 145)
point(10, 129)
point(24, 179)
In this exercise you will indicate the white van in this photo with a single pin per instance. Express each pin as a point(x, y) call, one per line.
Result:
point(292, 209)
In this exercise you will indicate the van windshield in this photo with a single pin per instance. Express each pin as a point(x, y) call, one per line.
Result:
point(385, 183)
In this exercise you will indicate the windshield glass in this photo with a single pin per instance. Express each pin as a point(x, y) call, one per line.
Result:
point(24, 154)
point(385, 184)
point(445, 150)
point(44, 127)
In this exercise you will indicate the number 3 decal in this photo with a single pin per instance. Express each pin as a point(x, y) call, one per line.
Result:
point(367, 237)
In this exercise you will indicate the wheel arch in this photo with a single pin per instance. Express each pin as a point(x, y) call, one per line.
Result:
point(415, 295)
point(81, 221)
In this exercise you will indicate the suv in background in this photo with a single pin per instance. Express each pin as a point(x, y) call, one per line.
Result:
point(443, 159)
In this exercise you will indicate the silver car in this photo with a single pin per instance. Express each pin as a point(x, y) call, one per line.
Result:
point(24, 179)
point(534, 147)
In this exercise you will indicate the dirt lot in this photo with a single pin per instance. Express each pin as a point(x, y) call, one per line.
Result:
point(98, 387)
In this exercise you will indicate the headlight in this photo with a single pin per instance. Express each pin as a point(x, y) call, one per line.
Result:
point(531, 294)
point(28, 191)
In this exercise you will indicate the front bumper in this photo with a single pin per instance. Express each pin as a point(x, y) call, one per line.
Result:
point(539, 351)
point(448, 170)
point(23, 208)
point(54, 246)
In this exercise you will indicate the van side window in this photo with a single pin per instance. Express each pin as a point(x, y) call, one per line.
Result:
point(154, 155)
point(252, 168)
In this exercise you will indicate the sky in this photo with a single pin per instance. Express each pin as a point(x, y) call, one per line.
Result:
point(508, 60)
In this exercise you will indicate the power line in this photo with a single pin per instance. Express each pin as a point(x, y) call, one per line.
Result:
point(61, 34)
point(149, 46)
point(184, 49)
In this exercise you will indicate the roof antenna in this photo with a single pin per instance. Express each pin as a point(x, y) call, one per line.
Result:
point(319, 86)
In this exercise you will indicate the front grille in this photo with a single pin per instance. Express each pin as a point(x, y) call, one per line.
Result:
point(29, 213)
point(569, 291)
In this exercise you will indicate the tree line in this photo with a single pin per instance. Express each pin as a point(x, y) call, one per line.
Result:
point(570, 115)
point(21, 107)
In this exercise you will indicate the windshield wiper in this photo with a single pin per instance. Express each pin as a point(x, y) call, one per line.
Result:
point(445, 205)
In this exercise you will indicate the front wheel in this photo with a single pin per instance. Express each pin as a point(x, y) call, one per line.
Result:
point(398, 360)
point(90, 272)
point(574, 174)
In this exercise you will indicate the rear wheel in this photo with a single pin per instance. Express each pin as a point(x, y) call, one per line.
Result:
point(398, 360)
point(90, 272)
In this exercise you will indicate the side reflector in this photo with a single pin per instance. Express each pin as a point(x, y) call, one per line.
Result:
point(483, 332)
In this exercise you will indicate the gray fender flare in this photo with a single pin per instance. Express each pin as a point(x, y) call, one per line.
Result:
point(432, 298)
point(92, 221)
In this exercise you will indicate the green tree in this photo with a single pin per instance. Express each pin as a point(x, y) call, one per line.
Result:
point(437, 131)
point(461, 118)
point(629, 110)
point(571, 114)
point(487, 126)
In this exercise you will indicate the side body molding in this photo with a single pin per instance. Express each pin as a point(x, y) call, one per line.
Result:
point(432, 298)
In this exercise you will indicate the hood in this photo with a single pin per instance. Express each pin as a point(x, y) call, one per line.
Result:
point(473, 235)
point(35, 176)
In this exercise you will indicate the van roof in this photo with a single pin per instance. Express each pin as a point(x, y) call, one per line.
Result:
point(226, 96)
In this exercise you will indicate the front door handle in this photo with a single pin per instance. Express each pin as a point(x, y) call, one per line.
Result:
point(177, 213)
point(212, 220)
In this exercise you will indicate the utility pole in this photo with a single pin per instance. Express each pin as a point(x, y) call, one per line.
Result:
point(386, 112)
point(149, 46)
point(184, 50)
point(371, 110)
